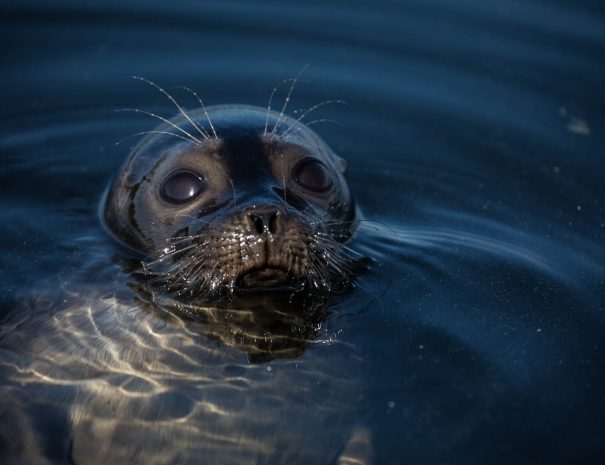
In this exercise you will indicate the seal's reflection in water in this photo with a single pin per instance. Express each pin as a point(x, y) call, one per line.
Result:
point(128, 372)
point(265, 326)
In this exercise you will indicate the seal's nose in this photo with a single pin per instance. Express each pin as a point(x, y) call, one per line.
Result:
point(263, 220)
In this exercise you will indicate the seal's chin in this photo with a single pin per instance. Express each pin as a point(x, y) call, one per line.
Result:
point(267, 279)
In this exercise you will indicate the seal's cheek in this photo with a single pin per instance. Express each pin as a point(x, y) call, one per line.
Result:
point(153, 219)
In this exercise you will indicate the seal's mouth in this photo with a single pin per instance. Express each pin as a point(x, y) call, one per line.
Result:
point(267, 279)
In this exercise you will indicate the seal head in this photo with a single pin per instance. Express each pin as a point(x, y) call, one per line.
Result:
point(234, 199)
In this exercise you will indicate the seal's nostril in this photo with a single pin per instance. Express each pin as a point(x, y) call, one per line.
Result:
point(273, 222)
point(263, 222)
point(258, 224)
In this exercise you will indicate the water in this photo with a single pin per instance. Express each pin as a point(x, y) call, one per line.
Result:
point(473, 133)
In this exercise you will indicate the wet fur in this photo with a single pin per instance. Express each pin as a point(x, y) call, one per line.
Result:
point(206, 266)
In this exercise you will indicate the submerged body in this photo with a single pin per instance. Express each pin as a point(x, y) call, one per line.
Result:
point(100, 378)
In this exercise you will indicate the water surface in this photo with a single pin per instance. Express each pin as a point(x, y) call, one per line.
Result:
point(473, 133)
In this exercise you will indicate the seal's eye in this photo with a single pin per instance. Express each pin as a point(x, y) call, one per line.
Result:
point(182, 187)
point(313, 175)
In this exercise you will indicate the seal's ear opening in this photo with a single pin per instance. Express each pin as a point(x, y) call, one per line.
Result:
point(342, 164)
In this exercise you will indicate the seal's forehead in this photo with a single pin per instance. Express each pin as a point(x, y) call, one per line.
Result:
point(240, 134)
point(240, 121)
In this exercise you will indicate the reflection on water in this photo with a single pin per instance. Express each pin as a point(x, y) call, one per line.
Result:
point(113, 368)
point(473, 133)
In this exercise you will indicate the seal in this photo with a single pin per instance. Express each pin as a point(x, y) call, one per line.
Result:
point(231, 200)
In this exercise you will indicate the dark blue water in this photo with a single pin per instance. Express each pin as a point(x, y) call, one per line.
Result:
point(474, 136)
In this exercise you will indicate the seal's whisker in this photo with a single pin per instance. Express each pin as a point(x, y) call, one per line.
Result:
point(312, 109)
point(344, 251)
point(233, 189)
point(199, 99)
point(328, 238)
point(173, 100)
point(332, 266)
point(205, 228)
point(374, 297)
point(325, 120)
point(322, 221)
point(167, 253)
point(155, 132)
point(323, 272)
point(366, 220)
point(180, 240)
point(269, 109)
point(161, 118)
point(189, 216)
point(271, 100)
point(291, 131)
point(285, 105)
point(200, 278)
point(336, 254)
